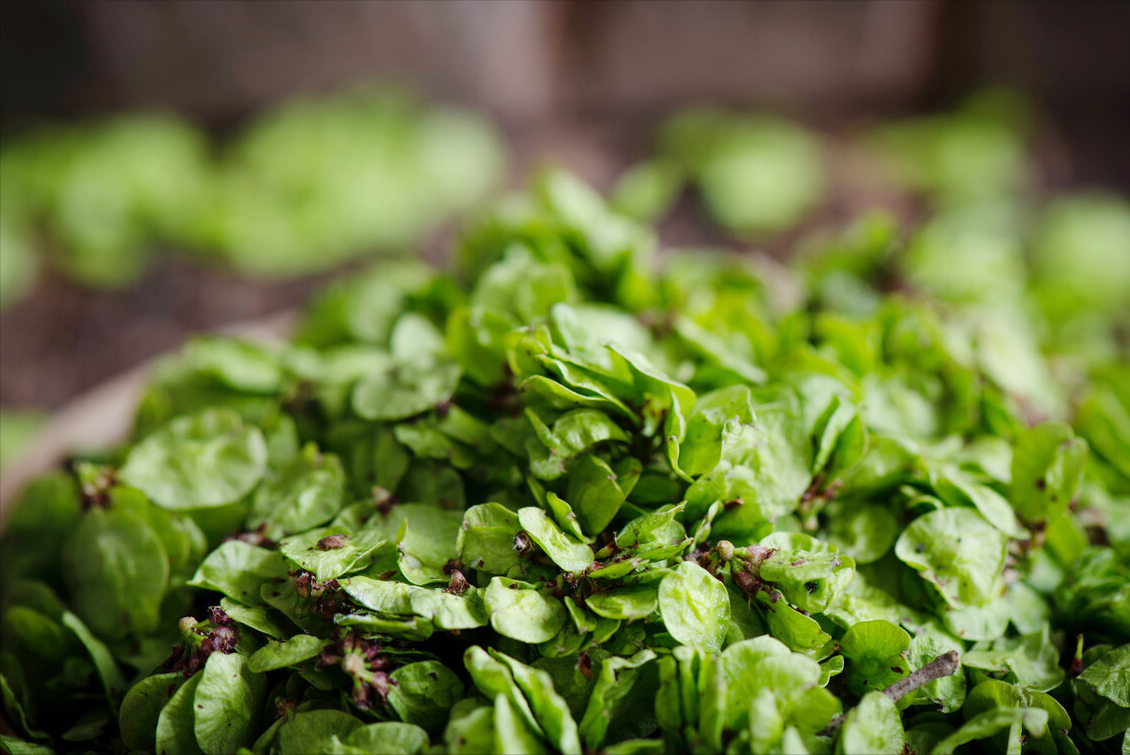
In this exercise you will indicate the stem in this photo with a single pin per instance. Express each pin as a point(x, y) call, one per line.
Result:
point(942, 666)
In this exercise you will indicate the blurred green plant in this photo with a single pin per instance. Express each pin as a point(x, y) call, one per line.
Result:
point(755, 174)
point(304, 187)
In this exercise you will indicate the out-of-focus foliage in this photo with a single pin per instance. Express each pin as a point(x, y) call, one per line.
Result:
point(755, 174)
point(302, 188)
point(974, 154)
point(17, 429)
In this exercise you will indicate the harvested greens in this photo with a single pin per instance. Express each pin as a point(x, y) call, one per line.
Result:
point(565, 499)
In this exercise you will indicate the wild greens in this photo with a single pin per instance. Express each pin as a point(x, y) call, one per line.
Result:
point(562, 498)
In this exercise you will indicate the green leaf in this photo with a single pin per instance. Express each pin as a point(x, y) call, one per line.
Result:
point(315, 732)
point(199, 461)
point(227, 703)
point(715, 423)
point(625, 603)
point(238, 570)
point(402, 389)
point(614, 696)
point(141, 709)
point(550, 710)
point(572, 434)
point(426, 539)
point(305, 493)
point(877, 655)
point(568, 554)
point(958, 488)
point(117, 571)
point(486, 538)
point(330, 553)
point(810, 581)
point(240, 365)
point(111, 677)
point(767, 468)
point(446, 610)
point(597, 489)
point(958, 552)
point(388, 738)
point(694, 606)
point(985, 725)
point(521, 612)
point(471, 733)
point(1047, 467)
point(871, 727)
point(176, 732)
point(423, 693)
point(1110, 676)
point(276, 655)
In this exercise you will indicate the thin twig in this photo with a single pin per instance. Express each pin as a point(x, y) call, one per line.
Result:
point(942, 666)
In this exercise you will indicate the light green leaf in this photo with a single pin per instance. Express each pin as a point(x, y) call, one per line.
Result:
point(958, 552)
point(521, 612)
point(694, 606)
point(199, 461)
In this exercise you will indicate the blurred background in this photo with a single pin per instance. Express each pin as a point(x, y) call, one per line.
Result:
point(177, 166)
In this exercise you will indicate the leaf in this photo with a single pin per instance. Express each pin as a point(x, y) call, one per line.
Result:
point(572, 434)
point(423, 693)
point(958, 552)
point(305, 493)
point(862, 531)
point(486, 538)
point(388, 738)
point(471, 733)
point(612, 696)
point(568, 554)
point(985, 725)
point(176, 733)
point(549, 709)
point(871, 727)
point(520, 612)
point(111, 677)
point(118, 571)
point(240, 365)
point(597, 490)
point(238, 570)
point(400, 389)
point(877, 655)
point(141, 709)
point(958, 488)
point(315, 732)
point(227, 702)
point(1047, 467)
point(426, 539)
point(625, 603)
point(291, 652)
point(694, 606)
point(767, 468)
point(801, 633)
point(204, 460)
point(716, 421)
point(810, 581)
point(448, 611)
point(330, 553)
point(1109, 676)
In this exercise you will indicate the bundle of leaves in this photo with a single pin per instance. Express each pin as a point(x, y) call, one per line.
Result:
point(561, 498)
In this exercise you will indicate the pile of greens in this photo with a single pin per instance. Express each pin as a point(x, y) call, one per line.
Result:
point(302, 188)
point(575, 496)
